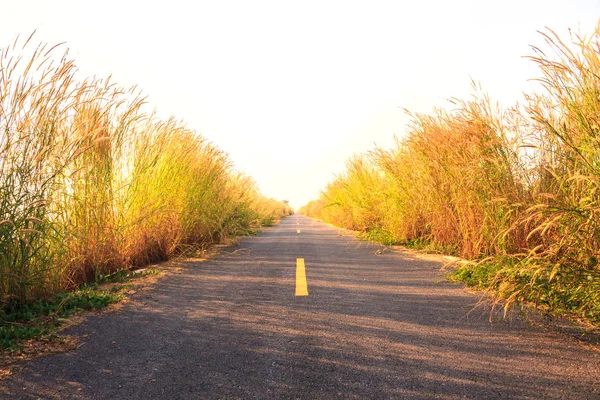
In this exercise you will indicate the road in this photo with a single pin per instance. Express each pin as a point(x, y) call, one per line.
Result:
point(375, 324)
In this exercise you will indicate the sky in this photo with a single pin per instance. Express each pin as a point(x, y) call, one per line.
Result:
point(291, 89)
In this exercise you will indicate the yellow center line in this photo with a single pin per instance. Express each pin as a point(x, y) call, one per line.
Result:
point(301, 285)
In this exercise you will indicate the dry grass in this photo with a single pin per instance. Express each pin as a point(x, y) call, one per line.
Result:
point(91, 183)
point(517, 190)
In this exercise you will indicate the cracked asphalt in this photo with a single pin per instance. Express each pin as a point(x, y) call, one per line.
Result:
point(377, 324)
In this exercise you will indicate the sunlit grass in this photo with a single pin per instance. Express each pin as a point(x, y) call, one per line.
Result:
point(90, 183)
point(516, 189)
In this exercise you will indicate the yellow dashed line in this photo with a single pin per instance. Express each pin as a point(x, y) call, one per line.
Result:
point(301, 285)
point(297, 230)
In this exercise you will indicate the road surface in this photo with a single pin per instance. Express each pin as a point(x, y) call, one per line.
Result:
point(375, 324)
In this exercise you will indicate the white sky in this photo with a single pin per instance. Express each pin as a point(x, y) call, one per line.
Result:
point(292, 89)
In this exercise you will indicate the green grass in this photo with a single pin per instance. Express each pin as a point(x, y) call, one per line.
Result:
point(569, 293)
point(22, 322)
point(125, 276)
point(379, 235)
point(480, 277)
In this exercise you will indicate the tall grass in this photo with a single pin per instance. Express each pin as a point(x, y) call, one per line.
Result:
point(90, 183)
point(515, 189)
point(449, 183)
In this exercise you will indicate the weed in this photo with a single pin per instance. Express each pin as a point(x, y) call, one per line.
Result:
point(516, 189)
point(91, 183)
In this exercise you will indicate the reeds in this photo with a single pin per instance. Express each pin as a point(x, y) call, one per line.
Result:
point(515, 189)
point(448, 183)
point(90, 183)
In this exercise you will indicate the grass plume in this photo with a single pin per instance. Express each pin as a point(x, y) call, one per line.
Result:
point(90, 183)
point(516, 190)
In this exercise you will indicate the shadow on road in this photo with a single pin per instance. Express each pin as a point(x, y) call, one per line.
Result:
point(373, 326)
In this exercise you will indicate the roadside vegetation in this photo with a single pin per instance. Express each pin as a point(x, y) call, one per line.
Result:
point(91, 183)
point(41, 318)
point(517, 191)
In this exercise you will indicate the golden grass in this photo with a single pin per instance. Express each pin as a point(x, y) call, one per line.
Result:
point(518, 188)
point(91, 183)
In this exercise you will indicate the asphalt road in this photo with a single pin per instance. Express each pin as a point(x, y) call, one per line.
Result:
point(376, 324)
